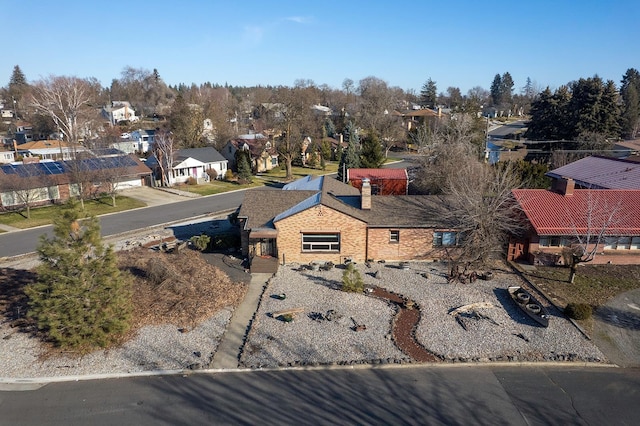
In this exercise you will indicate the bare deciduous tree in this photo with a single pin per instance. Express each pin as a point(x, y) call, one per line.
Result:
point(24, 188)
point(590, 226)
point(483, 211)
point(163, 150)
point(68, 101)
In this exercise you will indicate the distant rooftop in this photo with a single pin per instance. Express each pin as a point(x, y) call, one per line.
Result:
point(601, 173)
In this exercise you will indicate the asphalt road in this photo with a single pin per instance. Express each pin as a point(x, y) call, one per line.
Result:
point(453, 395)
point(21, 242)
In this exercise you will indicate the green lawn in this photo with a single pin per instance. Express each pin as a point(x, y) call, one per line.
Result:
point(44, 215)
point(274, 176)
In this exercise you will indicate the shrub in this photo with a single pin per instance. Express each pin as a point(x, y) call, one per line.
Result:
point(200, 242)
point(225, 241)
point(213, 175)
point(578, 311)
point(192, 181)
point(352, 280)
point(228, 175)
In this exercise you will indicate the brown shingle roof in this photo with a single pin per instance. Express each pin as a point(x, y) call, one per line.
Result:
point(260, 206)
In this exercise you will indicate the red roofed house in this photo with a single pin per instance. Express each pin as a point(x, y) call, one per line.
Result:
point(558, 219)
point(383, 181)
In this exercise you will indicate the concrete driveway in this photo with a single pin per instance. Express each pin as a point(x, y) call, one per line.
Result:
point(152, 196)
point(617, 329)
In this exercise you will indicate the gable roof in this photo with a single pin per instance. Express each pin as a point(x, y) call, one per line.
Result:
point(257, 145)
point(262, 208)
point(204, 155)
point(42, 144)
point(601, 172)
point(587, 210)
point(358, 174)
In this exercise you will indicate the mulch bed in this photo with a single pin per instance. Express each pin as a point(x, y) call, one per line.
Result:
point(404, 326)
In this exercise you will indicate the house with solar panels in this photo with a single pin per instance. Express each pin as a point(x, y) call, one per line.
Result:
point(320, 219)
point(44, 182)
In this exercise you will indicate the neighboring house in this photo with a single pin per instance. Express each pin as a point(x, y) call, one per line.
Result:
point(119, 111)
point(264, 155)
point(137, 142)
point(322, 219)
point(45, 182)
point(194, 163)
point(414, 118)
point(383, 181)
point(600, 173)
point(24, 132)
point(49, 150)
point(561, 218)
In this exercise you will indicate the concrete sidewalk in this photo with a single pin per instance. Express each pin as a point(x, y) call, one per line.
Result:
point(227, 355)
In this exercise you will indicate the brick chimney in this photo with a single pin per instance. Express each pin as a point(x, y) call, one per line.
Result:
point(365, 202)
point(564, 186)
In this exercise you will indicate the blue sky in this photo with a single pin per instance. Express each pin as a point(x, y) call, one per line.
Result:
point(455, 43)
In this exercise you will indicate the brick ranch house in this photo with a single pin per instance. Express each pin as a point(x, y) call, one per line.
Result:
point(323, 219)
point(557, 219)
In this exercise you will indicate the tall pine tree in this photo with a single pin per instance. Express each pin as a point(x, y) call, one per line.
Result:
point(81, 299)
point(428, 94)
point(351, 157)
point(371, 155)
point(630, 93)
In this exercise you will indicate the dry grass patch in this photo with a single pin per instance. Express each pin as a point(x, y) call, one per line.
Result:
point(177, 288)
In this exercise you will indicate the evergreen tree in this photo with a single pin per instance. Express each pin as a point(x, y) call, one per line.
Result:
point(528, 90)
point(609, 111)
point(496, 90)
point(428, 94)
point(371, 155)
point(506, 88)
point(630, 93)
point(350, 158)
point(17, 88)
point(81, 298)
point(549, 116)
point(329, 128)
point(339, 152)
point(244, 167)
point(631, 113)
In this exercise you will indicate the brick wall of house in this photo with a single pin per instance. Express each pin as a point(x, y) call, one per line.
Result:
point(321, 219)
point(413, 244)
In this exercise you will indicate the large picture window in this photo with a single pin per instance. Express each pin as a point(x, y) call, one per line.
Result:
point(446, 238)
point(321, 242)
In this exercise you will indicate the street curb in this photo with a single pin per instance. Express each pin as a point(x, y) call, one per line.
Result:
point(30, 383)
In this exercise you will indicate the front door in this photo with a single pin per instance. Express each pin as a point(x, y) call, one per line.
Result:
point(268, 247)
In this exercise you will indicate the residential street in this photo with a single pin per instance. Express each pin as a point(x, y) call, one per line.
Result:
point(20, 242)
point(451, 395)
